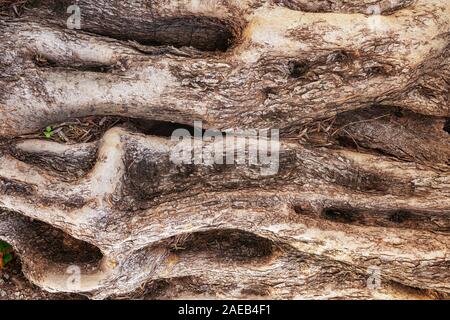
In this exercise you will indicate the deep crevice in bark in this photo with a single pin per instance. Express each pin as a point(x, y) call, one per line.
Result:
point(395, 133)
point(96, 126)
point(173, 288)
point(297, 68)
point(206, 34)
point(12, 187)
point(397, 218)
point(47, 63)
point(149, 26)
point(53, 245)
point(228, 245)
point(17, 286)
point(47, 253)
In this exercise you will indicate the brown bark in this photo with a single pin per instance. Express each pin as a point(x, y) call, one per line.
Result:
point(363, 179)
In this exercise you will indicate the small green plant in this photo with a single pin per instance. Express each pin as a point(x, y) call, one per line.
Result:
point(48, 133)
point(6, 253)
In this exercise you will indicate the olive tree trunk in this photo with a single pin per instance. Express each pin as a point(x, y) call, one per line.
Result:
point(359, 207)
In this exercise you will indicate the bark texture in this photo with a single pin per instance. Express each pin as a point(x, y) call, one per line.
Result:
point(362, 102)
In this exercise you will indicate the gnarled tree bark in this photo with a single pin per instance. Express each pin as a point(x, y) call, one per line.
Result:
point(362, 102)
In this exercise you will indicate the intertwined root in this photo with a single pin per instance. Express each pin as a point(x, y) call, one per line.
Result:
point(283, 68)
point(135, 205)
point(363, 181)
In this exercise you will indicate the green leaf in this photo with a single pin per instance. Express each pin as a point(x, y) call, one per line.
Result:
point(4, 246)
point(7, 258)
point(48, 133)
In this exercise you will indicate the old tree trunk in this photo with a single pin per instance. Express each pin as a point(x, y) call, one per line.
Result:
point(363, 187)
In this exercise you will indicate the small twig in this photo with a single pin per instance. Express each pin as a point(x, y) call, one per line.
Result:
point(357, 146)
point(360, 121)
